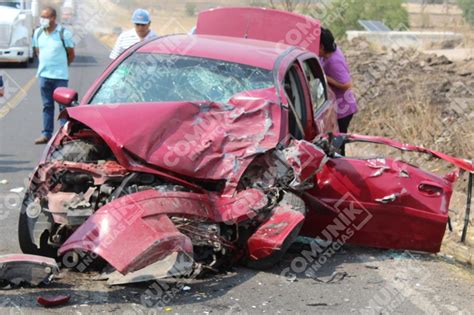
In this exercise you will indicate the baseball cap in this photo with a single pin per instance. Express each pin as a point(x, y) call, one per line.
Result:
point(141, 16)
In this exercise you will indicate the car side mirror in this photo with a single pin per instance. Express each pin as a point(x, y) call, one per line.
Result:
point(65, 96)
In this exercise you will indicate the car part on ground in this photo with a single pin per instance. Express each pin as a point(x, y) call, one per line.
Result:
point(52, 301)
point(23, 269)
point(175, 265)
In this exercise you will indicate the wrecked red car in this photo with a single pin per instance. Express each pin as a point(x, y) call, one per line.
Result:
point(216, 148)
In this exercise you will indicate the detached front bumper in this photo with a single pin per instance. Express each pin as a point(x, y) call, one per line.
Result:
point(14, 54)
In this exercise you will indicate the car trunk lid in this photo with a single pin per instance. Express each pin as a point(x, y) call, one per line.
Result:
point(262, 24)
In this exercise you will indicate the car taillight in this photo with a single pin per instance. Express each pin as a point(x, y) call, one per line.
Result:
point(430, 190)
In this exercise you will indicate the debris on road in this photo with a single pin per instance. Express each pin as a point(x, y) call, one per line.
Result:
point(18, 269)
point(317, 304)
point(336, 276)
point(53, 301)
point(174, 265)
point(3, 181)
point(17, 190)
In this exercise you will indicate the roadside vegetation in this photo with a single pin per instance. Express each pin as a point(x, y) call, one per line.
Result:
point(342, 15)
point(467, 6)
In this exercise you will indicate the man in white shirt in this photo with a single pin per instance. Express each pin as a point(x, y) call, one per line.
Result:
point(141, 19)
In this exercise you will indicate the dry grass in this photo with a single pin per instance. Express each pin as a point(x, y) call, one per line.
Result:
point(417, 122)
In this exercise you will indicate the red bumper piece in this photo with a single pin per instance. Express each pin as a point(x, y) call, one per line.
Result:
point(271, 235)
point(53, 301)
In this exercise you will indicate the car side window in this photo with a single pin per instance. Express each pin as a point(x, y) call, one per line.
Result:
point(295, 96)
point(315, 77)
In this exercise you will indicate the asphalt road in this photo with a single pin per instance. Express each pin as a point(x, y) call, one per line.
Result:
point(352, 280)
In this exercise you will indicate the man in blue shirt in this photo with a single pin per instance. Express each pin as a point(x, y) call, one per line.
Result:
point(55, 49)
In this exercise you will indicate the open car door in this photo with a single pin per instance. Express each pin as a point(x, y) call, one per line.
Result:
point(381, 202)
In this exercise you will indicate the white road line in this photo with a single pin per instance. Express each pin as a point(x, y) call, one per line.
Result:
point(15, 100)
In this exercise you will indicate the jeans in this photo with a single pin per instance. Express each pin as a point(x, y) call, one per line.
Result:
point(47, 87)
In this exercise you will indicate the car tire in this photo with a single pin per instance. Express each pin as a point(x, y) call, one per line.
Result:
point(268, 262)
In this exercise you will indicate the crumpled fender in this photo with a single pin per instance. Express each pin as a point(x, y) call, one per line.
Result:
point(135, 231)
point(305, 158)
point(279, 231)
point(128, 234)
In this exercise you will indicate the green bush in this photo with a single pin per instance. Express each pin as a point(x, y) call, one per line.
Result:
point(190, 9)
point(467, 7)
point(342, 15)
point(259, 3)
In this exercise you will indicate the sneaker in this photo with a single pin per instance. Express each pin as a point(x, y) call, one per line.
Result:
point(42, 140)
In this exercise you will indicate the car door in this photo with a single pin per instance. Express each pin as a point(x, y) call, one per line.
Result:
point(378, 202)
point(297, 99)
point(321, 98)
point(370, 201)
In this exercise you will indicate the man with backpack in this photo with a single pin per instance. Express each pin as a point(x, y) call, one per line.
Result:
point(54, 47)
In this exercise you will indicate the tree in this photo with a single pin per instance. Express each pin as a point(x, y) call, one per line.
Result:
point(342, 15)
point(290, 5)
point(190, 8)
point(259, 3)
point(467, 7)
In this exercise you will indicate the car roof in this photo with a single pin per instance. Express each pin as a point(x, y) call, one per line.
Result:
point(250, 52)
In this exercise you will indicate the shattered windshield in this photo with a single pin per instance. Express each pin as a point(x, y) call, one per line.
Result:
point(161, 78)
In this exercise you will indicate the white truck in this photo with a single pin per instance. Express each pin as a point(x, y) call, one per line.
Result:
point(18, 19)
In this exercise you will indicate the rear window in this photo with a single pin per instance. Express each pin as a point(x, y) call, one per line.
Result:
point(165, 78)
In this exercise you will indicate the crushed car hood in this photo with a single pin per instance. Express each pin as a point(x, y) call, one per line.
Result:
point(199, 140)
